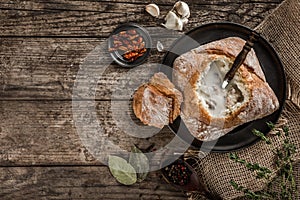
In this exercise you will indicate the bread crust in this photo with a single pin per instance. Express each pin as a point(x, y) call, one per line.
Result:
point(162, 106)
point(259, 101)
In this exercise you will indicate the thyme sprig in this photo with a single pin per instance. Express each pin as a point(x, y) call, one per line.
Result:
point(261, 136)
point(251, 194)
point(261, 172)
point(284, 164)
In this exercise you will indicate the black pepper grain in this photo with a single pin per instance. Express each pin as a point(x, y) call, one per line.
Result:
point(177, 173)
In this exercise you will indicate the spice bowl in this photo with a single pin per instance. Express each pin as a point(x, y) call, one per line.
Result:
point(129, 45)
point(181, 175)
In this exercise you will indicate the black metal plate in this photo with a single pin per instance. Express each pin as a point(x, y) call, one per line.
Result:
point(270, 63)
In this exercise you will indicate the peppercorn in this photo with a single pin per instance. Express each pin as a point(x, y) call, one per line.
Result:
point(177, 173)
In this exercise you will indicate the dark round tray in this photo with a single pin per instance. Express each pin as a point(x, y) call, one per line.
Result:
point(271, 65)
point(117, 56)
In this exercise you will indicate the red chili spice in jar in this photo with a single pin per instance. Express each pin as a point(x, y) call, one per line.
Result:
point(177, 173)
point(130, 44)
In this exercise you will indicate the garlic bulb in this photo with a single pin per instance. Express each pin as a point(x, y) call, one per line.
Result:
point(178, 16)
point(153, 9)
point(173, 21)
point(182, 9)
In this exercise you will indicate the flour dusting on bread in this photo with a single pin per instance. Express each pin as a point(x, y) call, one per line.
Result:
point(209, 111)
point(157, 103)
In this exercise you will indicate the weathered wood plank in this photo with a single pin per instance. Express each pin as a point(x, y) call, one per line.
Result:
point(44, 132)
point(90, 5)
point(78, 183)
point(97, 19)
point(40, 66)
point(46, 68)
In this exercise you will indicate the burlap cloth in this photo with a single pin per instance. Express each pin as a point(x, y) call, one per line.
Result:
point(282, 30)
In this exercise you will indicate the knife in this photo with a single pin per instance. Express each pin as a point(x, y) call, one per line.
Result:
point(240, 59)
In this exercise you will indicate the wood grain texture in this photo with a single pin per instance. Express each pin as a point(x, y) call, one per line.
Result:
point(44, 133)
point(78, 183)
point(43, 46)
point(46, 68)
point(98, 19)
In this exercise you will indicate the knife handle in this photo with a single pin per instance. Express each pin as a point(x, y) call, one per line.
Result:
point(241, 57)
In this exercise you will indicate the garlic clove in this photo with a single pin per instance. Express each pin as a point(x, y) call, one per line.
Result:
point(185, 21)
point(179, 25)
point(153, 9)
point(173, 21)
point(159, 46)
point(182, 9)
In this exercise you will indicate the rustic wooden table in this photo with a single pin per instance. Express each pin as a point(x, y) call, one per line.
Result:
point(42, 45)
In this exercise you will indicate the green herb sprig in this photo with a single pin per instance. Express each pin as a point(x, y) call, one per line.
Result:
point(284, 164)
point(261, 172)
point(250, 194)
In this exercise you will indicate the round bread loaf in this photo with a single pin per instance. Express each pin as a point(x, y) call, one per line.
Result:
point(209, 111)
